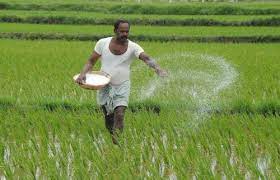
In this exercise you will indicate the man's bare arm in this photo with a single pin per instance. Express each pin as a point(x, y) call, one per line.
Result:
point(152, 63)
point(88, 67)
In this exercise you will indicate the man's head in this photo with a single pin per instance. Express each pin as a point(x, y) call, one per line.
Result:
point(121, 29)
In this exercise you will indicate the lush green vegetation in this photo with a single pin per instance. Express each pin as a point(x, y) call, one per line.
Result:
point(253, 3)
point(215, 116)
point(63, 17)
point(67, 142)
point(76, 144)
point(89, 37)
point(59, 60)
point(100, 16)
point(142, 30)
point(168, 9)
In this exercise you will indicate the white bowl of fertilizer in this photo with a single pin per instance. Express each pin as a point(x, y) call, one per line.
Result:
point(94, 80)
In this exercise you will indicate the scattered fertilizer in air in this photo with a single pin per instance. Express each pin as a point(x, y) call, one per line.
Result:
point(198, 78)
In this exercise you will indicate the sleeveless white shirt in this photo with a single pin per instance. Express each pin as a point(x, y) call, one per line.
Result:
point(118, 66)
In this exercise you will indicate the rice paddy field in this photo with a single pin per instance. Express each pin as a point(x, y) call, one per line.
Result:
point(216, 116)
point(143, 30)
point(100, 16)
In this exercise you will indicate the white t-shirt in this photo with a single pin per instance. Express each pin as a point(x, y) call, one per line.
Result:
point(118, 66)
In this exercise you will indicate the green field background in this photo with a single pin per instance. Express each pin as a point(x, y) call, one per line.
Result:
point(216, 116)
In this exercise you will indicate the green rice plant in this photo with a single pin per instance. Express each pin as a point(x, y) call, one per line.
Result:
point(251, 3)
point(102, 15)
point(76, 17)
point(64, 144)
point(152, 8)
point(183, 140)
point(60, 60)
point(77, 37)
point(141, 30)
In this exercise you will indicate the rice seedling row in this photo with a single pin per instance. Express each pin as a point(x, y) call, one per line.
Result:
point(142, 30)
point(41, 144)
point(83, 14)
point(154, 8)
point(215, 116)
point(197, 69)
point(53, 18)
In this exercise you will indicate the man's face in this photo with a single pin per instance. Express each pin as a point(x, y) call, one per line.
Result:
point(122, 32)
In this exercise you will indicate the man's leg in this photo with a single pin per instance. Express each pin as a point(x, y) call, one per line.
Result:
point(118, 118)
point(118, 122)
point(109, 120)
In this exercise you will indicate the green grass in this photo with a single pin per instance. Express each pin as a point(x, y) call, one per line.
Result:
point(46, 74)
point(62, 144)
point(247, 3)
point(198, 131)
point(142, 30)
point(78, 14)
point(215, 116)
point(154, 8)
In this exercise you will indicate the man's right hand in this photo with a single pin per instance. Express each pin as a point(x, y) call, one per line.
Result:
point(88, 67)
point(81, 79)
point(162, 73)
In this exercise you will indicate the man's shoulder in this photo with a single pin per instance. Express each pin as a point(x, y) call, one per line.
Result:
point(102, 42)
point(134, 44)
point(105, 39)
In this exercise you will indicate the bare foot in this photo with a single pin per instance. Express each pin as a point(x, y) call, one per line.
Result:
point(114, 140)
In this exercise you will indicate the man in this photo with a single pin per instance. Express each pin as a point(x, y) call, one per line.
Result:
point(116, 54)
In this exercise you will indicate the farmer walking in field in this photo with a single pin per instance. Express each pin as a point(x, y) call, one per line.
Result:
point(116, 54)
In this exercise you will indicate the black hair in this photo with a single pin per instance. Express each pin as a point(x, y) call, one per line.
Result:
point(118, 22)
